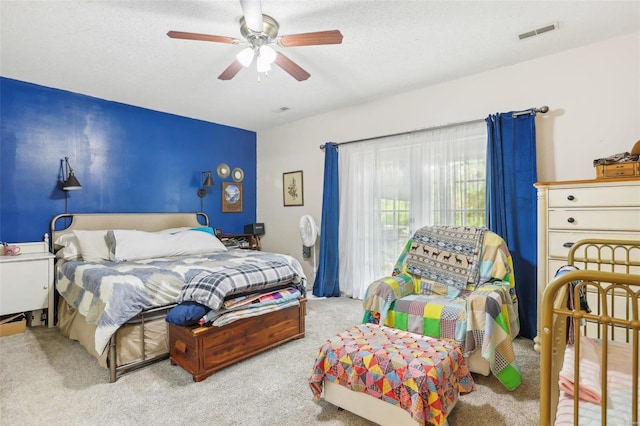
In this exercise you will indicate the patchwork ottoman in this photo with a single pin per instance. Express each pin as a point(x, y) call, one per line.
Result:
point(390, 376)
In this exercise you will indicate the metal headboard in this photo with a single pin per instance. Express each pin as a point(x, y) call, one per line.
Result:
point(68, 222)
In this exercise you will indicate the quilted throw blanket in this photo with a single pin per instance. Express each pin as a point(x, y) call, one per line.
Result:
point(210, 288)
point(258, 304)
point(421, 375)
point(448, 255)
point(109, 294)
point(480, 317)
point(484, 319)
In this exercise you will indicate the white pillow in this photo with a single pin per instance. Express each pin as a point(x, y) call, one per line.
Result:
point(93, 245)
point(67, 247)
point(134, 245)
point(174, 230)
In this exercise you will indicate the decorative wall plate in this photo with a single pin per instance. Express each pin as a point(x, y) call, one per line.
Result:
point(237, 174)
point(223, 170)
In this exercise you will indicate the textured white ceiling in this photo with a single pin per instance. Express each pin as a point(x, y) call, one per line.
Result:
point(118, 50)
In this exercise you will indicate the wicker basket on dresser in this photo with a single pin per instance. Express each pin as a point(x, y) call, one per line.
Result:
point(573, 210)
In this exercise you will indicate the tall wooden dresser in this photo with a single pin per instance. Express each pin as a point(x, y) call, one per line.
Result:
point(573, 210)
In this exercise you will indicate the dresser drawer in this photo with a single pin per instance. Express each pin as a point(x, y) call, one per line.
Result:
point(609, 196)
point(559, 243)
point(596, 219)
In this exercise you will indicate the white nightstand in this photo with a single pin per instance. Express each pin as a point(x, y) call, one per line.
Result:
point(26, 280)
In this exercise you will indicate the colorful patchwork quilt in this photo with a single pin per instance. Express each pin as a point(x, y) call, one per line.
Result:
point(251, 306)
point(482, 316)
point(422, 375)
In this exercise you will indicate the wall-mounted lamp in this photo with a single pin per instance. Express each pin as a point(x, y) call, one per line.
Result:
point(70, 182)
point(207, 182)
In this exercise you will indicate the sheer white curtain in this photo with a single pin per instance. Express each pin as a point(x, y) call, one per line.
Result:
point(391, 186)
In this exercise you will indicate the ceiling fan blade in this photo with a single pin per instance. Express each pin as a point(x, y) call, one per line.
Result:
point(291, 67)
point(310, 39)
point(231, 70)
point(202, 37)
point(252, 11)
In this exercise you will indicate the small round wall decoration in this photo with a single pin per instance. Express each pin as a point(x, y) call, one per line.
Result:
point(237, 174)
point(223, 170)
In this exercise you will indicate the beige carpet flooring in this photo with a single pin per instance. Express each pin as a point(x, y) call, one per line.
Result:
point(46, 379)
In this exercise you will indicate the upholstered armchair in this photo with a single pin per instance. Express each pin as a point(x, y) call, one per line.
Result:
point(454, 283)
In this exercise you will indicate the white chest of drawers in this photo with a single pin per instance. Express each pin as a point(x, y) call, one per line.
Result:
point(574, 210)
point(26, 280)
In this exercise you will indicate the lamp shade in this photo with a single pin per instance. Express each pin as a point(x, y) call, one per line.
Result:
point(245, 57)
point(208, 181)
point(268, 54)
point(72, 183)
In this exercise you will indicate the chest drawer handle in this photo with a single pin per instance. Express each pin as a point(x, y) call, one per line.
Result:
point(571, 198)
point(180, 346)
point(568, 245)
point(571, 220)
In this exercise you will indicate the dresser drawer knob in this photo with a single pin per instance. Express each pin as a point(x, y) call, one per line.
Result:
point(571, 220)
point(571, 198)
point(568, 245)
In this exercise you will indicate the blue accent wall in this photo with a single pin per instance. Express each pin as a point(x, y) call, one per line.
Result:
point(128, 159)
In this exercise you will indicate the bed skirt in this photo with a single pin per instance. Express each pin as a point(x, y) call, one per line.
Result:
point(134, 345)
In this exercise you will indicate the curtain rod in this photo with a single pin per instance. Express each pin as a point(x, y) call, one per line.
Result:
point(532, 111)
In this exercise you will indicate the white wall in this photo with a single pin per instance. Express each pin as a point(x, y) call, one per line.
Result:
point(593, 93)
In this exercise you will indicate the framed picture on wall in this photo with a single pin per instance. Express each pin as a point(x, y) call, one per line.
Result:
point(231, 197)
point(292, 189)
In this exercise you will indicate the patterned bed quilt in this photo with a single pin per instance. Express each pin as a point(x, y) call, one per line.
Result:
point(109, 294)
point(482, 317)
point(421, 375)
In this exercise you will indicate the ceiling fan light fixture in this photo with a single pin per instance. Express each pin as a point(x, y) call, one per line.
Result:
point(267, 54)
point(259, 30)
point(263, 65)
point(245, 57)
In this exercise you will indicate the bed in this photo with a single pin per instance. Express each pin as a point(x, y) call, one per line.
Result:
point(121, 277)
point(590, 319)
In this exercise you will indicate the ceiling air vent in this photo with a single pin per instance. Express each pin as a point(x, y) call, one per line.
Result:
point(538, 31)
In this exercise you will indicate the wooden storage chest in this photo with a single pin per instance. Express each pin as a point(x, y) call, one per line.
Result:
point(203, 350)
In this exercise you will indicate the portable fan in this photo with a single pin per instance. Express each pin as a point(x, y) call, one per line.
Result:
point(309, 232)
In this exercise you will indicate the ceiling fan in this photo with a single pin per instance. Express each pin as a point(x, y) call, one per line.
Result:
point(259, 31)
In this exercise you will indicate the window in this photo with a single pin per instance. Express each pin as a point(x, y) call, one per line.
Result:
point(390, 187)
point(466, 197)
